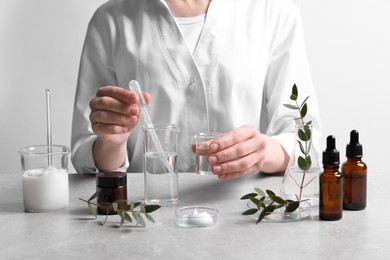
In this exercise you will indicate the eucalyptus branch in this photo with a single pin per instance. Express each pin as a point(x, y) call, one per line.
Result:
point(137, 209)
point(304, 135)
point(267, 202)
point(260, 200)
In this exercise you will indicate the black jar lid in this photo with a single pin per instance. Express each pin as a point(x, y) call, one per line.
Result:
point(111, 179)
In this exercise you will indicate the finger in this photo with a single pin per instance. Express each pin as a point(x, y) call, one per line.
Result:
point(233, 137)
point(240, 165)
point(118, 93)
point(101, 129)
point(113, 105)
point(234, 152)
point(107, 117)
point(253, 170)
point(147, 97)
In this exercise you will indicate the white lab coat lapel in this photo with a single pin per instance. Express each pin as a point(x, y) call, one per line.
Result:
point(205, 50)
point(191, 75)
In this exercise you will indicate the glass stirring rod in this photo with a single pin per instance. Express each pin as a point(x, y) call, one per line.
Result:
point(134, 86)
point(48, 126)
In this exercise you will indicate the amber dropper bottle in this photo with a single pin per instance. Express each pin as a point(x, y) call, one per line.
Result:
point(355, 175)
point(331, 183)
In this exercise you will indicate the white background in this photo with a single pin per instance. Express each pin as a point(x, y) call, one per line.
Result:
point(348, 45)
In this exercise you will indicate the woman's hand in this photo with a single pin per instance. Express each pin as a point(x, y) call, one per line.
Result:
point(246, 151)
point(114, 113)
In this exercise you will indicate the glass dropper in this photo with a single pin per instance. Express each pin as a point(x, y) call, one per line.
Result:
point(134, 86)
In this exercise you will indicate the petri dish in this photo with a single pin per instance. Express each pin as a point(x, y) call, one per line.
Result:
point(196, 216)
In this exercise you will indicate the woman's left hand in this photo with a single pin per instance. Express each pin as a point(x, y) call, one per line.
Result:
point(245, 151)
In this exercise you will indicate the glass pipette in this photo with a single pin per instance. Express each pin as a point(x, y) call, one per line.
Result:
point(134, 86)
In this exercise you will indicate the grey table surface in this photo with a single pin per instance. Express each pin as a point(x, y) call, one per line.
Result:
point(73, 232)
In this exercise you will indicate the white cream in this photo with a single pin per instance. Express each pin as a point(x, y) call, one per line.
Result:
point(45, 189)
point(199, 219)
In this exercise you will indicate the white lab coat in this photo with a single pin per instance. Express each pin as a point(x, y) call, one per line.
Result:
point(249, 55)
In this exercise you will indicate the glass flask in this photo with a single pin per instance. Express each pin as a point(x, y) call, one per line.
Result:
point(301, 179)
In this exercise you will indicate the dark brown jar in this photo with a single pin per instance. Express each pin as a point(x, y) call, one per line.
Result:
point(113, 187)
point(331, 183)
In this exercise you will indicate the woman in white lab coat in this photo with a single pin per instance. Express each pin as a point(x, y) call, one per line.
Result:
point(223, 66)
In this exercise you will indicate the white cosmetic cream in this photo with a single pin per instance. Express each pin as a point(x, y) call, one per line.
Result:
point(199, 219)
point(45, 189)
point(196, 216)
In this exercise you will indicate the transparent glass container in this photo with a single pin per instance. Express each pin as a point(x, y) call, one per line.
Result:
point(160, 157)
point(301, 179)
point(45, 177)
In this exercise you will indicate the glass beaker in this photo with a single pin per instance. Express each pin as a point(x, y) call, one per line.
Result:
point(202, 142)
point(45, 177)
point(301, 179)
point(160, 156)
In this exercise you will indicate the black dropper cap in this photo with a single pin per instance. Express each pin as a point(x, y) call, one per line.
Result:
point(354, 149)
point(330, 155)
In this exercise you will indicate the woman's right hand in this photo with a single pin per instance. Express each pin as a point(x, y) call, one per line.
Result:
point(114, 113)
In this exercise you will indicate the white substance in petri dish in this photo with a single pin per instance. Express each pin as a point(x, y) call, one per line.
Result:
point(199, 219)
point(45, 189)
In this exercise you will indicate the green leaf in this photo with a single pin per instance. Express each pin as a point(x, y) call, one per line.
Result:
point(260, 192)
point(141, 221)
point(277, 199)
point(121, 213)
point(293, 97)
point(290, 106)
point(269, 209)
point(308, 161)
point(248, 196)
point(149, 217)
point(304, 111)
point(304, 101)
point(95, 194)
point(261, 216)
point(151, 208)
point(115, 206)
point(128, 218)
point(93, 210)
point(260, 203)
point(295, 90)
point(128, 207)
point(291, 207)
point(301, 147)
point(250, 212)
point(255, 201)
point(302, 163)
point(132, 206)
point(270, 193)
point(136, 204)
point(302, 135)
point(308, 133)
point(139, 218)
